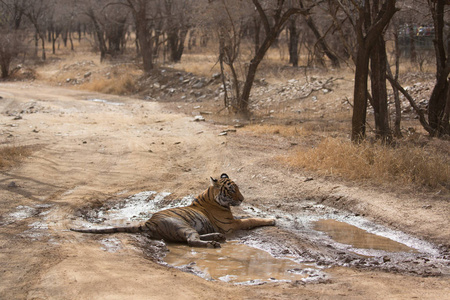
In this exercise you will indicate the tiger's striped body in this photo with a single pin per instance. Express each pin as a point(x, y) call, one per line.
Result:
point(201, 224)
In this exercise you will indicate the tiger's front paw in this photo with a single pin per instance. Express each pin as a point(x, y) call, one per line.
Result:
point(213, 244)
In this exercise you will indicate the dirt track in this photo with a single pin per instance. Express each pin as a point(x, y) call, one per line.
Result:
point(87, 151)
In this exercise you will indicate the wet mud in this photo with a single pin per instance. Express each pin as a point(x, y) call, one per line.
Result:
point(303, 245)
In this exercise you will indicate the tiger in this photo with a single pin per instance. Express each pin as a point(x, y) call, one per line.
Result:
point(204, 223)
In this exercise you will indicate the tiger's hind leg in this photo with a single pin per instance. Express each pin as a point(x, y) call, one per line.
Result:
point(218, 237)
point(195, 240)
point(176, 230)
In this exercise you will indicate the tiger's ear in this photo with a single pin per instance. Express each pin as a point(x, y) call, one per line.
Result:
point(224, 175)
point(214, 182)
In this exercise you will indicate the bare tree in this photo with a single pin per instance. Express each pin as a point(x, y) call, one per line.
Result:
point(11, 36)
point(92, 11)
point(294, 40)
point(37, 12)
point(145, 13)
point(178, 22)
point(439, 104)
point(368, 29)
point(398, 113)
point(273, 17)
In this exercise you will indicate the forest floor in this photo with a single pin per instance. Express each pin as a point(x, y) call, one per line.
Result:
point(89, 152)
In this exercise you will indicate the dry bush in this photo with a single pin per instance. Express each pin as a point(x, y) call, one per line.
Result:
point(12, 155)
point(122, 85)
point(199, 64)
point(404, 164)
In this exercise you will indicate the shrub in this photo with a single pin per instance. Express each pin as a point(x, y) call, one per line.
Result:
point(405, 164)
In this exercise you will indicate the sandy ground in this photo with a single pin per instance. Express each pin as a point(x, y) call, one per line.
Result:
point(86, 152)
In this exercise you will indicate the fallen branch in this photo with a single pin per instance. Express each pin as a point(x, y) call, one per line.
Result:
point(419, 112)
point(323, 86)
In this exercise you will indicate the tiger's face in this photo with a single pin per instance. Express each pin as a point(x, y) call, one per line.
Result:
point(228, 191)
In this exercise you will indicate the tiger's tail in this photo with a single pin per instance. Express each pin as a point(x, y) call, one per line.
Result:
point(129, 229)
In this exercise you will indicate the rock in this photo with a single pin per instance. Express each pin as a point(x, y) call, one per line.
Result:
point(12, 184)
point(216, 76)
point(199, 118)
point(87, 74)
point(198, 85)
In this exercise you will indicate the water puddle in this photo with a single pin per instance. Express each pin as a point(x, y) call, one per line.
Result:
point(313, 237)
point(106, 102)
point(236, 263)
point(345, 233)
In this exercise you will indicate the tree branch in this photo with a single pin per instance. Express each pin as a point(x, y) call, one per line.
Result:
point(422, 119)
point(263, 16)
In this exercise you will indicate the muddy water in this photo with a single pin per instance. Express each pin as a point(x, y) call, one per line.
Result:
point(236, 263)
point(345, 233)
point(242, 264)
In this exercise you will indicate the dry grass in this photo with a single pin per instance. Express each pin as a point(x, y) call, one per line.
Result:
point(122, 85)
point(282, 130)
point(199, 64)
point(12, 155)
point(377, 163)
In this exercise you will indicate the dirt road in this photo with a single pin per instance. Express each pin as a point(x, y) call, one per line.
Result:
point(90, 148)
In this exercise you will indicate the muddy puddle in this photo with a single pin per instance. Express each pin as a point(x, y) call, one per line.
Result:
point(237, 263)
point(106, 102)
point(345, 233)
point(306, 241)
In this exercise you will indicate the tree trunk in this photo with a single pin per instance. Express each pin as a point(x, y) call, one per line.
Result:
point(243, 101)
point(412, 45)
point(53, 42)
point(71, 41)
point(256, 42)
point(42, 36)
point(378, 64)
point(365, 43)
point(438, 103)
point(36, 44)
point(360, 94)
point(5, 67)
point(176, 39)
point(398, 110)
point(294, 35)
point(145, 46)
point(437, 118)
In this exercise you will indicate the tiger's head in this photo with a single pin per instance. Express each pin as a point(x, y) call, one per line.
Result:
point(226, 191)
